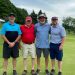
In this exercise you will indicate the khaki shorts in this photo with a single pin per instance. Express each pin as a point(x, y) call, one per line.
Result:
point(29, 49)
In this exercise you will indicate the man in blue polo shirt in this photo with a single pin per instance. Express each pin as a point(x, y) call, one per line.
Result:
point(42, 29)
point(11, 34)
point(57, 38)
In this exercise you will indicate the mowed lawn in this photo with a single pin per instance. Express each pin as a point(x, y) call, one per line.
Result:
point(68, 59)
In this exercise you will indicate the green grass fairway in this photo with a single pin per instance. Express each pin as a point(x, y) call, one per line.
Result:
point(68, 60)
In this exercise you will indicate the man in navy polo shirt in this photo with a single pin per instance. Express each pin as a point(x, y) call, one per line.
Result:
point(57, 38)
point(11, 34)
point(42, 29)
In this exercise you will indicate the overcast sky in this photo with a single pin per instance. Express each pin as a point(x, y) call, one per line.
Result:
point(59, 8)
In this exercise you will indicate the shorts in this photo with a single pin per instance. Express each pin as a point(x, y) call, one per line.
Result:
point(29, 49)
point(10, 52)
point(44, 50)
point(55, 53)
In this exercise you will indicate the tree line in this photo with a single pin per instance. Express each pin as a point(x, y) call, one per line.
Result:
point(7, 7)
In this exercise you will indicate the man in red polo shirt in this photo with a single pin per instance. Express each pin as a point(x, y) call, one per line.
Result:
point(28, 38)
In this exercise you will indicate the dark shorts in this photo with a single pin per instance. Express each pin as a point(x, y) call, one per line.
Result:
point(55, 53)
point(10, 52)
point(44, 50)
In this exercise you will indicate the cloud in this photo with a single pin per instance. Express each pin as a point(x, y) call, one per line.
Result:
point(60, 8)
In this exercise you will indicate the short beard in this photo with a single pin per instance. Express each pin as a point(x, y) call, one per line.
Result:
point(42, 22)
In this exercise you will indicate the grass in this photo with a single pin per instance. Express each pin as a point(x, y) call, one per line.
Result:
point(68, 59)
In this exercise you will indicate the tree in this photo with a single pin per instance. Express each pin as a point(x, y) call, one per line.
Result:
point(69, 24)
point(34, 17)
point(7, 7)
point(40, 12)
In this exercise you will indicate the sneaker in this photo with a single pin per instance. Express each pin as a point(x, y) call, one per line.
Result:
point(14, 72)
point(59, 73)
point(24, 72)
point(52, 72)
point(4, 73)
point(37, 71)
point(33, 72)
point(47, 72)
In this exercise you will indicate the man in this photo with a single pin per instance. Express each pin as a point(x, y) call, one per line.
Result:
point(42, 29)
point(28, 39)
point(11, 34)
point(57, 38)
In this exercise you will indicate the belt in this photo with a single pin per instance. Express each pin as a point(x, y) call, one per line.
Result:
point(29, 43)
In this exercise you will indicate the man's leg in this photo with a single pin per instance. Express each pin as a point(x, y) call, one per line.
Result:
point(25, 63)
point(33, 63)
point(14, 55)
point(25, 55)
point(52, 57)
point(14, 63)
point(53, 64)
point(6, 56)
point(60, 66)
point(33, 67)
point(46, 62)
point(38, 63)
point(14, 66)
point(25, 66)
point(59, 58)
point(33, 54)
point(5, 64)
point(46, 55)
point(52, 67)
point(38, 52)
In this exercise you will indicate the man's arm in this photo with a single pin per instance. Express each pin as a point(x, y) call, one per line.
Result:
point(5, 39)
point(63, 35)
point(18, 38)
point(62, 43)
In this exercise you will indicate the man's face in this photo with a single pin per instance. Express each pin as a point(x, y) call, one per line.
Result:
point(28, 22)
point(54, 22)
point(42, 20)
point(11, 19)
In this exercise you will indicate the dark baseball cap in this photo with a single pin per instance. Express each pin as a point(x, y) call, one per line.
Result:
point(11, 14)
point(54, 18)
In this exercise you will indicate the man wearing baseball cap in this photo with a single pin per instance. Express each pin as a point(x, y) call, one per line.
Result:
point(11, 34)
point(42, 29)
point(28, 39)
point(57, 38)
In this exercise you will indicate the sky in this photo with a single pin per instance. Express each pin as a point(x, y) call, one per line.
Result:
point(59, 8)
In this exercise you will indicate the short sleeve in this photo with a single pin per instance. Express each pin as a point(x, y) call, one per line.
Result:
point(3, 30)
point(19, 30)
point(63, 32)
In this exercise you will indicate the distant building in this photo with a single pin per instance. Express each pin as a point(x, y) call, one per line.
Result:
point(2, 21)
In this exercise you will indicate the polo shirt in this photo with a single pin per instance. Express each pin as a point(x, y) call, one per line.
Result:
point(57, 33)
point(42, 35)
point(11, 31)
point(28, 35)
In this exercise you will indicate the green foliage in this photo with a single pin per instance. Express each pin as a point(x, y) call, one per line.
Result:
point(7, 7)
point(34, 17)
point(69, 24)
point(40, 12)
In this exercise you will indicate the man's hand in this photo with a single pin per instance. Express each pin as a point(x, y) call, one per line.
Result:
point(11, 44)
point(60, 47)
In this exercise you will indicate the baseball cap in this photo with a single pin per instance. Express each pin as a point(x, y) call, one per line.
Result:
point(54, 18)
point(28, 18)
point(11, 14)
